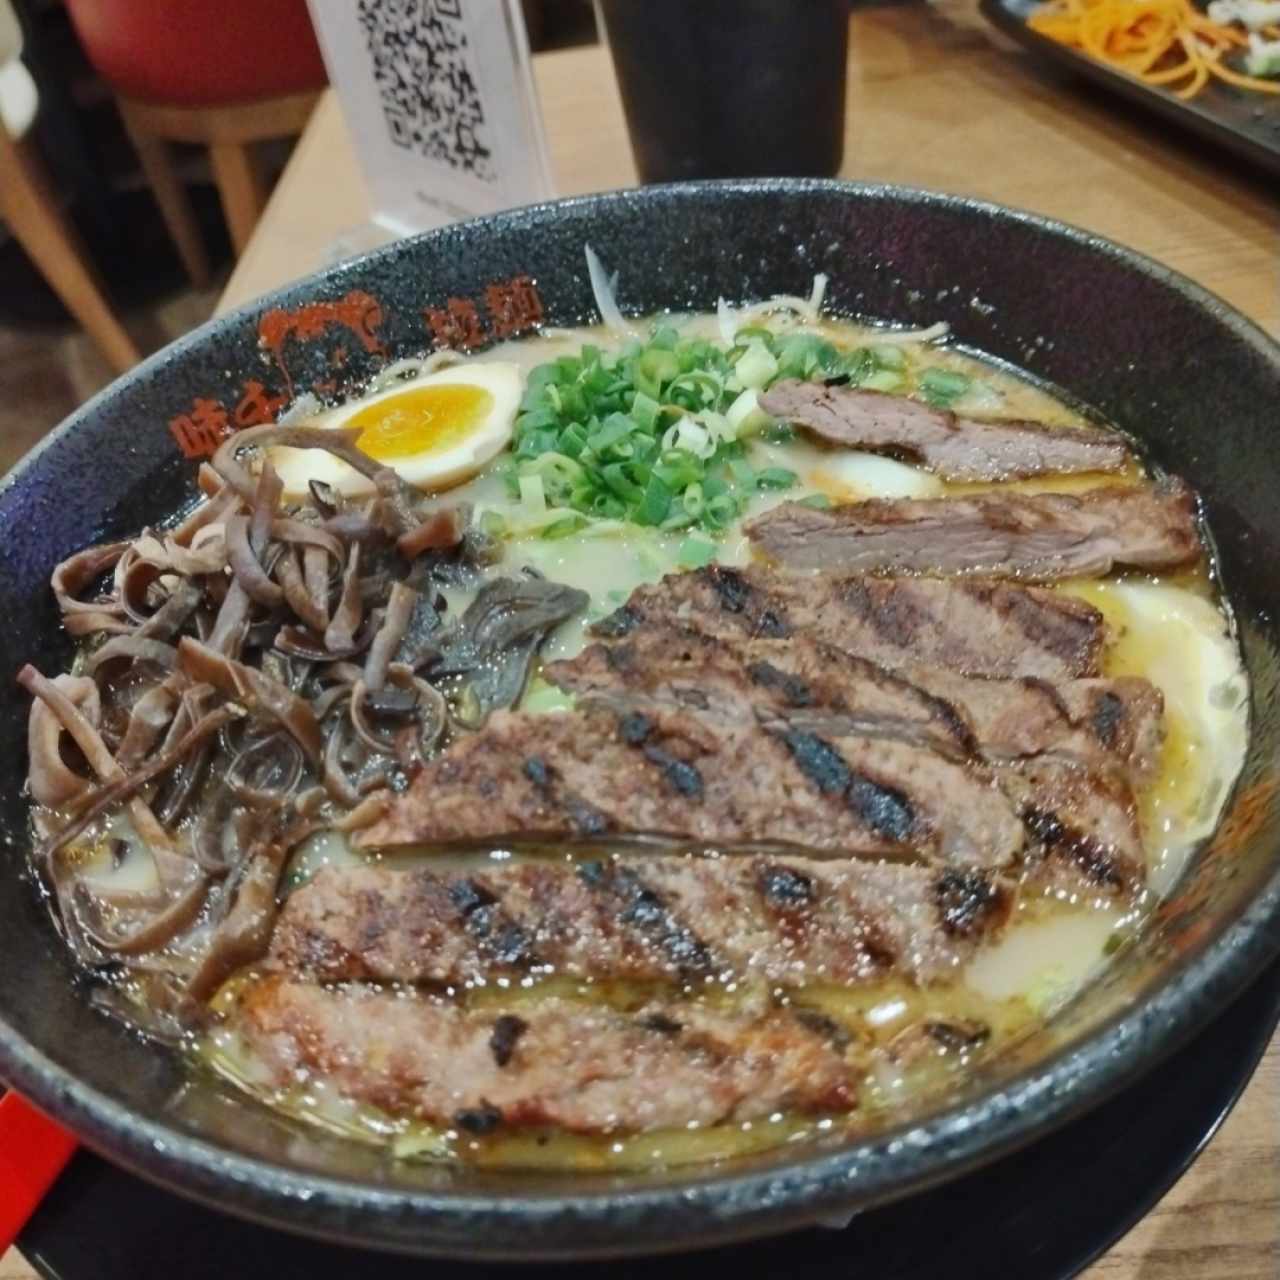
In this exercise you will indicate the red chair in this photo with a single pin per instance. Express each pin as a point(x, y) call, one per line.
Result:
point(221, 73)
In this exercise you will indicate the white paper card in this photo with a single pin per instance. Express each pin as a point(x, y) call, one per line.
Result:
point(441, 105)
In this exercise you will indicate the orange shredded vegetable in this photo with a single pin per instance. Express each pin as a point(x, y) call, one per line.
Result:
point(1161, 42)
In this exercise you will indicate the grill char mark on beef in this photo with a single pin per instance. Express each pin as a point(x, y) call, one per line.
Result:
point(884, 809)
point(620, 622)
point(793, 690)
point(954, 447)
point(666, 1067)
point(507, 1030)
point(966, 901)
point(1038, 537)
point(646, 918)
point(812, 685)
point(584, 818)
point(641, 907)
point(1084, 823)
point(680, 775)
point(1097, 861)
point(784, 887)
point(500, 936)
point(693, 778)
point(975, 626)
point(733, 590)
point(1108, 714)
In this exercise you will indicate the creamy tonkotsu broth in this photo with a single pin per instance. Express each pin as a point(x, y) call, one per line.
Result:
point(902, 1040)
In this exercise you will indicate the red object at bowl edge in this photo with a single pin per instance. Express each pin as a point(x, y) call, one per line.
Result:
point(33, 1152)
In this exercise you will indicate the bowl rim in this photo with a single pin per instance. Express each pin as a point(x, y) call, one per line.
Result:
point(732, 1204)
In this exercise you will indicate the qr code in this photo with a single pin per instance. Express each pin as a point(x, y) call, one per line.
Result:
point(423, 66)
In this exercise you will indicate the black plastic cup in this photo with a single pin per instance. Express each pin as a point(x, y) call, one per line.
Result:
point(731, 88)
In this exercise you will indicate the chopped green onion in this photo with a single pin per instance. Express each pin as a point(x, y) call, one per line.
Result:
point(617, 426)
point(941, 387)
point(721, 511)
point(757, 367)
point(625, 435)
point(542, 696)
point(882, 380)
point(655, 504)
point(680, 519)
point(532, 496)
point(606, 507)
point(658, 365)
point(563, 527)
point(819, 501)
point(616, 477)
point(573, 440)
point(745, 415)
point(694, 553)
point(776, 478)
point(754, 333)
point(493, 524)
point(679, 468)
point(1263, 58)
point(805, 355)
point(644, 411)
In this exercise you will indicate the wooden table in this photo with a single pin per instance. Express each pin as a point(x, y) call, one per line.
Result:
point(935, 101)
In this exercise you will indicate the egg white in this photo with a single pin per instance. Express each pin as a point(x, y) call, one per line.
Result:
point(432, 470)
point(853, 476)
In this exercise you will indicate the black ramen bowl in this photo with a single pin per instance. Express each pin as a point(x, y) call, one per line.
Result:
point(1141, 346)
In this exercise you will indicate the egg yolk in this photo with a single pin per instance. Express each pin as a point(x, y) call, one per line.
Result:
point(421, 420)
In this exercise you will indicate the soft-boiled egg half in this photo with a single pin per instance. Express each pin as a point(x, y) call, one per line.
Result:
point(436, 431)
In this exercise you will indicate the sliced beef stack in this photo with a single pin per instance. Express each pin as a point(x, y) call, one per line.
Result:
point(715, 719)
point(868, 768)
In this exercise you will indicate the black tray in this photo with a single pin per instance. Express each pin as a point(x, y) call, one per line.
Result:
point(1247, 124)
point(1006, 1219)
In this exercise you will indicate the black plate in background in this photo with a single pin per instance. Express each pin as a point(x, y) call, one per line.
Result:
point(1007, 1219)
point(1247, 124)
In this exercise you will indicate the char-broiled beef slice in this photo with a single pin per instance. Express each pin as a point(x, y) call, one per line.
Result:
point(954, 447)
point(1038, 537)
point(709, 782)
point(976, 626)
point(1101, 723)
point(555, 1063)
point(641, 918)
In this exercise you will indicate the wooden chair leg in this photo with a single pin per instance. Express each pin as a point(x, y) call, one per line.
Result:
point(171, 196)
point(30, 207)
point(240, 185)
